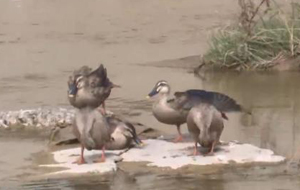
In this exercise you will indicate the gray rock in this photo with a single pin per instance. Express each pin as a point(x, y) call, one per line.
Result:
point(37, 117)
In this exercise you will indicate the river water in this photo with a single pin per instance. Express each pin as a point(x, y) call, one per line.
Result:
point(140, 42)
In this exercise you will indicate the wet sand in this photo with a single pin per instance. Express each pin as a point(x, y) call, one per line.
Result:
point(41, 42)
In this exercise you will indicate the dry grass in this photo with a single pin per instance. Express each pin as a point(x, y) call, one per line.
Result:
point(261, 37)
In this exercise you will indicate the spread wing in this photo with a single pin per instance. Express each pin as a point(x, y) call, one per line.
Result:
point(100, 74)
point(186, 100)
point(82, 71)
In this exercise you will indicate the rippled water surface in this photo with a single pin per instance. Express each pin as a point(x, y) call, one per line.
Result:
point(42, 41)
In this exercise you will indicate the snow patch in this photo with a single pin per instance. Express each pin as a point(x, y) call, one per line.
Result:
point(161, 153)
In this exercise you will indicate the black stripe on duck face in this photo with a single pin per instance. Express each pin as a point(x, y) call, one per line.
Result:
point(160, 85)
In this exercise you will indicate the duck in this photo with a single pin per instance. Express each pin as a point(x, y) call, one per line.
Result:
point(92, 131)
point(174, 110)
point(89, 88)
point(164, 109)
point(122, 134)
point(205, 124)
point(97, 132)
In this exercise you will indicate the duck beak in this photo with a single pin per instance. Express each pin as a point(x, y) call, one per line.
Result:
point(141, 144)
point(115, 86)
point(72, 90)
point(152, 93)
point(138, 142)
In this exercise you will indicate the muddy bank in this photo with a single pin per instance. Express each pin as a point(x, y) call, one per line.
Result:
point(284, 64)
point(41, 45)
point(196, 65)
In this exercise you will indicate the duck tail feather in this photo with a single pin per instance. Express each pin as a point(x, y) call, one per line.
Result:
point(132, 130)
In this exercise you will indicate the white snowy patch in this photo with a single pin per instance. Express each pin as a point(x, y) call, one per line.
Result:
point(175, 155)
point(66, 159)
point(161, 153)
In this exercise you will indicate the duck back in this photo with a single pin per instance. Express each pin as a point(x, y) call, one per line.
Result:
point(205, 124)
point(91, 128)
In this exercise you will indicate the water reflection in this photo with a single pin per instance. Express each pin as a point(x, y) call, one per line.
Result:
point(272, 99)
point(254, 177)
point(274, 103)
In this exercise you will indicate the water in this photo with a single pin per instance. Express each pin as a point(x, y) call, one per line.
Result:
point(42, 41)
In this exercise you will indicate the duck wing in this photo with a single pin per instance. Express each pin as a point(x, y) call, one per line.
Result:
point(186, 100)
point(113, 123)
point(101, 75)
point(82, 71)
point(177, 104)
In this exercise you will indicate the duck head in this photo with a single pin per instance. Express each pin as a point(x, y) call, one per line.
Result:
point(75, 79)
point(75, 83)
point(161, 88)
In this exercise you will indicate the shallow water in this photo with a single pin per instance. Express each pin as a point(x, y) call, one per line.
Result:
point(42, 41)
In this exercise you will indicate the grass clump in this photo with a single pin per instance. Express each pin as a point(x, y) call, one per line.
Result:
point(259, 40)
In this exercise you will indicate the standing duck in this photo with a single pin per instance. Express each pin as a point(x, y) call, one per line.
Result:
point(174, 111)
point(89, 88)
point(92, 130)
point(205, 124)
point(165, 109)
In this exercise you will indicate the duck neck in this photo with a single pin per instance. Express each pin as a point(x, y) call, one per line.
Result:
point(84, 118)
point(163, 97)
point(85, 121)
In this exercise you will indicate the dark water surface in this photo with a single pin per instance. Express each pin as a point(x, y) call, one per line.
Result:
point(274, 124)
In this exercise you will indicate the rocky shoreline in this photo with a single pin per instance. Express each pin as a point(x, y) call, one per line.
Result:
point(39, 118)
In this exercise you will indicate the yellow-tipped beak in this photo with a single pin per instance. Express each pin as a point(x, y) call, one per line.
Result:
point(116, 86)
point(142, 144)
point(148, 97)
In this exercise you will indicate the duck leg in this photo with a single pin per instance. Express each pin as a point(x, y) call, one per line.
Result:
point(103, 158)
point(179, 138)
point(211, 152)
point(81, 159)
point(196, 151)
point(102, 108)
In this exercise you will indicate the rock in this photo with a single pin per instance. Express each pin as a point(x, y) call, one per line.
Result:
point(37, 117)
point(66, 159)
point(63, 136)
point(163, 154)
